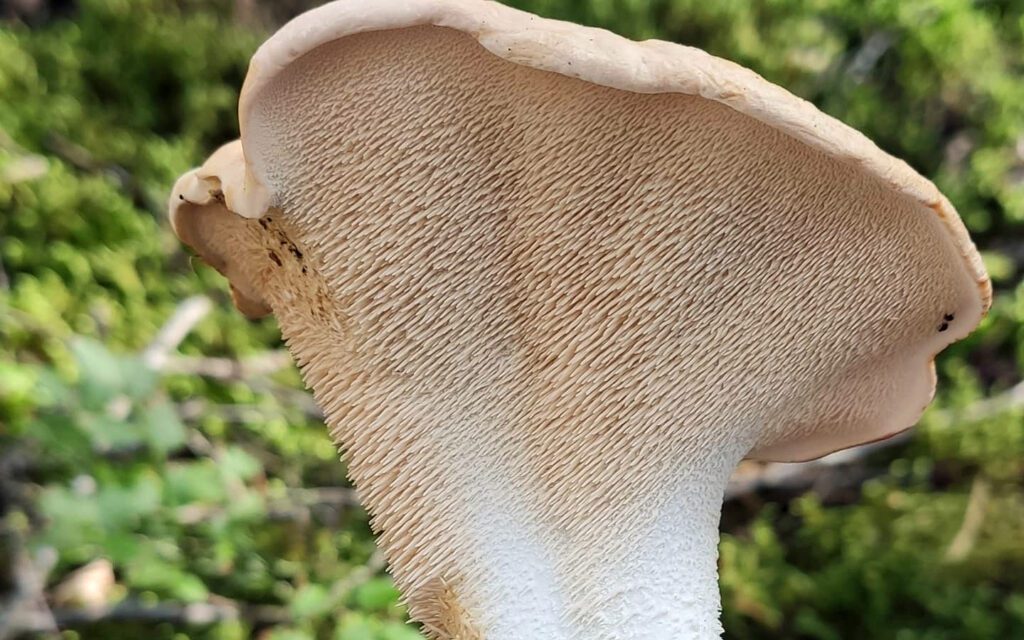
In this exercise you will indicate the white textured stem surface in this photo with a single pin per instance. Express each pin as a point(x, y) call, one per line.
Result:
point(669, 587)
point(665, 586)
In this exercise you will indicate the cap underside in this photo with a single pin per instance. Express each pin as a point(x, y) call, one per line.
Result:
point(793, 290)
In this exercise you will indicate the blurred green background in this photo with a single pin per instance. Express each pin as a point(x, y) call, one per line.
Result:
point(162, 474)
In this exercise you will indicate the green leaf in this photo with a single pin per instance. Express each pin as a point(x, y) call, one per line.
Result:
point(123, 506)
point(310, 601)
point(150, 572)
point(74, 519)
point(237, 464)
point(122, 546)
point(355, 626)
point(138, 380)
point(399, 631)
point(62, 438)
point(103, 375)
point(376, 594)
point(163, 429)
point(107, 433)
point(290, 634)
point(50, 390)
point(250, 505)
point(17, 383)
point(187, 482)
point(100, 376)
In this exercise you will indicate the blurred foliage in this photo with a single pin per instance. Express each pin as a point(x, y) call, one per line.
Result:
point(201, 490)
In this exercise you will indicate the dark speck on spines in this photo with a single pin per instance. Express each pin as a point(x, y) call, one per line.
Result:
point(948, 317)
point(943, 326)
point(273, 256)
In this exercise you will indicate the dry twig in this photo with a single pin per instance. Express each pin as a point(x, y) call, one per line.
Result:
point(974, 517)
point(193, 614)
point(1012, 398)
point(799, 476)
point(357, 577)
point(26, 609)
point(229, 368)
point(182, 321)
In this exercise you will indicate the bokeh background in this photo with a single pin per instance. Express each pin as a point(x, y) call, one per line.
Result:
point(163, 475)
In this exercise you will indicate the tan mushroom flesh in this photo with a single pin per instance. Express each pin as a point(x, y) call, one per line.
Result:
point(550, 285)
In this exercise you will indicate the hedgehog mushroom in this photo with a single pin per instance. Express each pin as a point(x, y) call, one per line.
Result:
point(550, 286)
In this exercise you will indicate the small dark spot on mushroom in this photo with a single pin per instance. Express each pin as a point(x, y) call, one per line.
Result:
point(948, 317)
point(303, 268)
point(273, 256)
point(295, 252)
point(943, 326)
point(181, 196)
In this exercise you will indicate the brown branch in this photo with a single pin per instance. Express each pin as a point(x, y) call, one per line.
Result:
point(357, 577)
point(867, 56)
point(82, 159)
point(27, 604)
point(341, 496)
point(800, 476)
point(216, 609)
point(195, 408)
point(288, 396)
point(193, 614)
point(1012, 398)
point(188, 314)
point(974, 518)
point(229, 368)
point(24, 169)
point(297, 506)
point(24, 166)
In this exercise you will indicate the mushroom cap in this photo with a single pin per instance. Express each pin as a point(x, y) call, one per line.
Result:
point(652, 218)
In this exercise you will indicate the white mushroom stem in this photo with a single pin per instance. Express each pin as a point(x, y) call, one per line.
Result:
point(667, 586)
point(650, 569)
